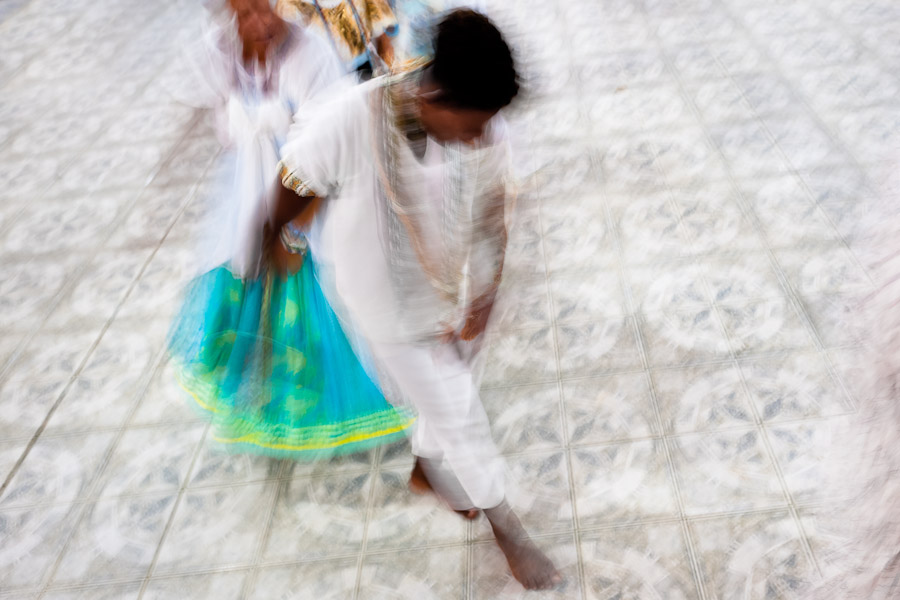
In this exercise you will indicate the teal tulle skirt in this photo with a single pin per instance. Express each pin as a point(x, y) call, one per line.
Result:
point(268, 361)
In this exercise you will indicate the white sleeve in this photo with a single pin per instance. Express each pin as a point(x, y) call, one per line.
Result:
point(204, 70)
point(324, 144)
point(312, 70)
point(494, 208)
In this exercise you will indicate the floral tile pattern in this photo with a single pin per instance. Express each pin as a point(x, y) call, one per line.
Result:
point(764, 557)
point(673, 348)
point(643, 561)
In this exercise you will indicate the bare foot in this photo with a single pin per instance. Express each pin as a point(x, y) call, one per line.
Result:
point(419, 484)
point(528, 564)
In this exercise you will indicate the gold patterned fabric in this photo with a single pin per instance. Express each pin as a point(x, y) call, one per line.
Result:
point(290, 180)
point(376, 17)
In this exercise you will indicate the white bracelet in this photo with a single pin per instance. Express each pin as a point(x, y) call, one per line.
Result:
point(293, 240)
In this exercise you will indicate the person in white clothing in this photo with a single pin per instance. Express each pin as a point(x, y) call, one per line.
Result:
point(264, 356)
point(411, 174)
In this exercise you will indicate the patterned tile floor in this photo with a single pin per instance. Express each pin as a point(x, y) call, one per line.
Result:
point(673, 355)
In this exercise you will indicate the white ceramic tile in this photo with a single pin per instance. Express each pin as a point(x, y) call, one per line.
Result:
point(226, 585)
point(539, 491)
point(764, 557)
point(231, 520)
point(793, 386)
point(663, 148)
point(525, 417)
point(606, 409)
point(701, 398)
point(116, 539)
point(34, 537)
point(332, 579)
point(637, 562)
point(150, 460)
point(620, 483)
point(57, 470)
point(725, 471)
point(427, 574)
point(319, 517)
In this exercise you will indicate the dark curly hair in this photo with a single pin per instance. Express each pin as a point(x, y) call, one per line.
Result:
point(472, 65)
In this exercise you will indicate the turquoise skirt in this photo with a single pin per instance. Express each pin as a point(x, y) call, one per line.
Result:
point(268, 361)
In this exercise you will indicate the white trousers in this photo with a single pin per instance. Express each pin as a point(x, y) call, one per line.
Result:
point(452, 434)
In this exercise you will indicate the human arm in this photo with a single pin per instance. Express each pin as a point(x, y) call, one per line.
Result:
point(324, 150)
point(382, 28)
point(493, 212)
point(292, 214)
point(385, 48)
point(491, 240)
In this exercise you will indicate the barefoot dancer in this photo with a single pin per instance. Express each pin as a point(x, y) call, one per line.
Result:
point(411, 174)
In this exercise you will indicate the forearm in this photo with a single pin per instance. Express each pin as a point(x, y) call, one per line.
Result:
point(385, 48)
point(500, 258)
point(486, 268)
point(491, 238)
point(289, 206)
point(288, 244)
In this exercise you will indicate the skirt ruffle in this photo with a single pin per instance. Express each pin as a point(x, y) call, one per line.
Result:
point(269, 362)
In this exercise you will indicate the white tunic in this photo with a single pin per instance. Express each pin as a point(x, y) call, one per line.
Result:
point(332, 155)
point(254, 109)
point(331, 152)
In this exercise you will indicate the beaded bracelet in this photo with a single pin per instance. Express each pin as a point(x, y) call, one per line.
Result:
point(293, 240)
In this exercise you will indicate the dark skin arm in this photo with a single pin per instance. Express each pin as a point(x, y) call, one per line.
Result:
point(289, 207)
point(479, 312)
point(385, 49)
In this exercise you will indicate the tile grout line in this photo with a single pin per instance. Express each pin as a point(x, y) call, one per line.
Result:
point(374, 473)
point(607, 526)
point(795, 172)
point(89, 494)
point(71, 280)
point(760, 428)
point(814, 115)
point(201, 442)
point(278, 484)
point(151, 568)
point(62, 394)
point(88, 499)
point(783, 282)
point(85, 359)
point(470, 543)
point(561, 405)
point(639, 324)
point(730, 361)
point(822, 347)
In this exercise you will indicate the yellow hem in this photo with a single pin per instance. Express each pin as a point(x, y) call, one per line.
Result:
point(356, 438)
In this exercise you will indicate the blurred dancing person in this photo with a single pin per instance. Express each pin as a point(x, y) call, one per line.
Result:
point(264, 354)
point(412, 173)
point(360, 31)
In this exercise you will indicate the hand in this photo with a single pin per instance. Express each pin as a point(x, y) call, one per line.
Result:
point(284, 263)
point(478, 316)
point(385, 49)
point(449, 336)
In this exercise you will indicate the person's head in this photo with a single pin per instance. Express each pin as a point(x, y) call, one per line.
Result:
point(471, 77)
point(258, 26)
